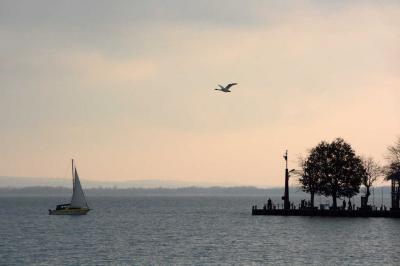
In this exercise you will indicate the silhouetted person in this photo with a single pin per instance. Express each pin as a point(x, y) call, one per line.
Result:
point(303, 204)
point(269, 204)
point(350, 206)
point(344, 205)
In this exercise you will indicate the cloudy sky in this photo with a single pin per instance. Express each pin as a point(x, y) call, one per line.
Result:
point(126, 87)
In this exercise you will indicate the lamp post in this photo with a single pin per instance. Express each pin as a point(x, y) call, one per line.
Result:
point(285, 198)
point(286, 202)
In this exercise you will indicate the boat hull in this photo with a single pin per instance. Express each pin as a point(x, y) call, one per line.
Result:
point(69, 211)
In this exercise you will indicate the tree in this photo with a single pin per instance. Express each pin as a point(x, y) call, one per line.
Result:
point(336, 169)
point(373, 170)
point(392, 170)
point(308, 176)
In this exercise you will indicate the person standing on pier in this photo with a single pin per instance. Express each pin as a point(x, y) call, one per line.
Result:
point(269, 204)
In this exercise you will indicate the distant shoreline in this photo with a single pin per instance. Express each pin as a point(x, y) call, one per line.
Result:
point(63, 191)
point(135, 191)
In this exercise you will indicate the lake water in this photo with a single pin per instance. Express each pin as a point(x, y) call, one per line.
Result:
point(187, 231)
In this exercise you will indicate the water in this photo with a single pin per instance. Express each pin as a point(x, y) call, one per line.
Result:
point(187, 231)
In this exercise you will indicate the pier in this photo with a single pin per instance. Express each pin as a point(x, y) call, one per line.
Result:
point(289, 209)
point(327, 213)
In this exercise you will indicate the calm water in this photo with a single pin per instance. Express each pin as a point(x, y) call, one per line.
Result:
point(186, 231)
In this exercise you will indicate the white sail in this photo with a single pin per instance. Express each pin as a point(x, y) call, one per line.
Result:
point(78, 197)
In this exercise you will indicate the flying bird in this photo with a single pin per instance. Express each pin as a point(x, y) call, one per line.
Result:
point(226, 89)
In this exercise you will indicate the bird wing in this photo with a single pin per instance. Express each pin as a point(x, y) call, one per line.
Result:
point(221, 87)
point(230, 85)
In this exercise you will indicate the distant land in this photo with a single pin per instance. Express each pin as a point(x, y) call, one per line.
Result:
point(20, 182)
point(184, 191)
point(58, 187)
point(274, 193)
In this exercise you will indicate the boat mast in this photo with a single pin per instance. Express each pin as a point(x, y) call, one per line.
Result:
point(73, 176)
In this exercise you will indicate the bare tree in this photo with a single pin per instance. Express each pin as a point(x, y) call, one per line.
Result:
point(392, 170)
point(373, 171)
point(394, 151)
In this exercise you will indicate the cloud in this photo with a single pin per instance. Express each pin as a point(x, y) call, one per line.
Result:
point(138, 91)
point(96, 69)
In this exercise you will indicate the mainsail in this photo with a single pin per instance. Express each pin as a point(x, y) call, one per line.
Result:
point(78, 197)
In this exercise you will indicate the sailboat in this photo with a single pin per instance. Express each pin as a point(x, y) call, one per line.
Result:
point(78, 204)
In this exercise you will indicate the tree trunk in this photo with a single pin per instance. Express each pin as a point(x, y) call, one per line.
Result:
point(312, 199)
point(367, 195)
point(334, 201)
point(335, 187)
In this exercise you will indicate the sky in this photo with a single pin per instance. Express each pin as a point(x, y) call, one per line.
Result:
point(127, 87)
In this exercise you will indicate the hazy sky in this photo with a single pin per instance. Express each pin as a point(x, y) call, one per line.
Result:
point(126, 87)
